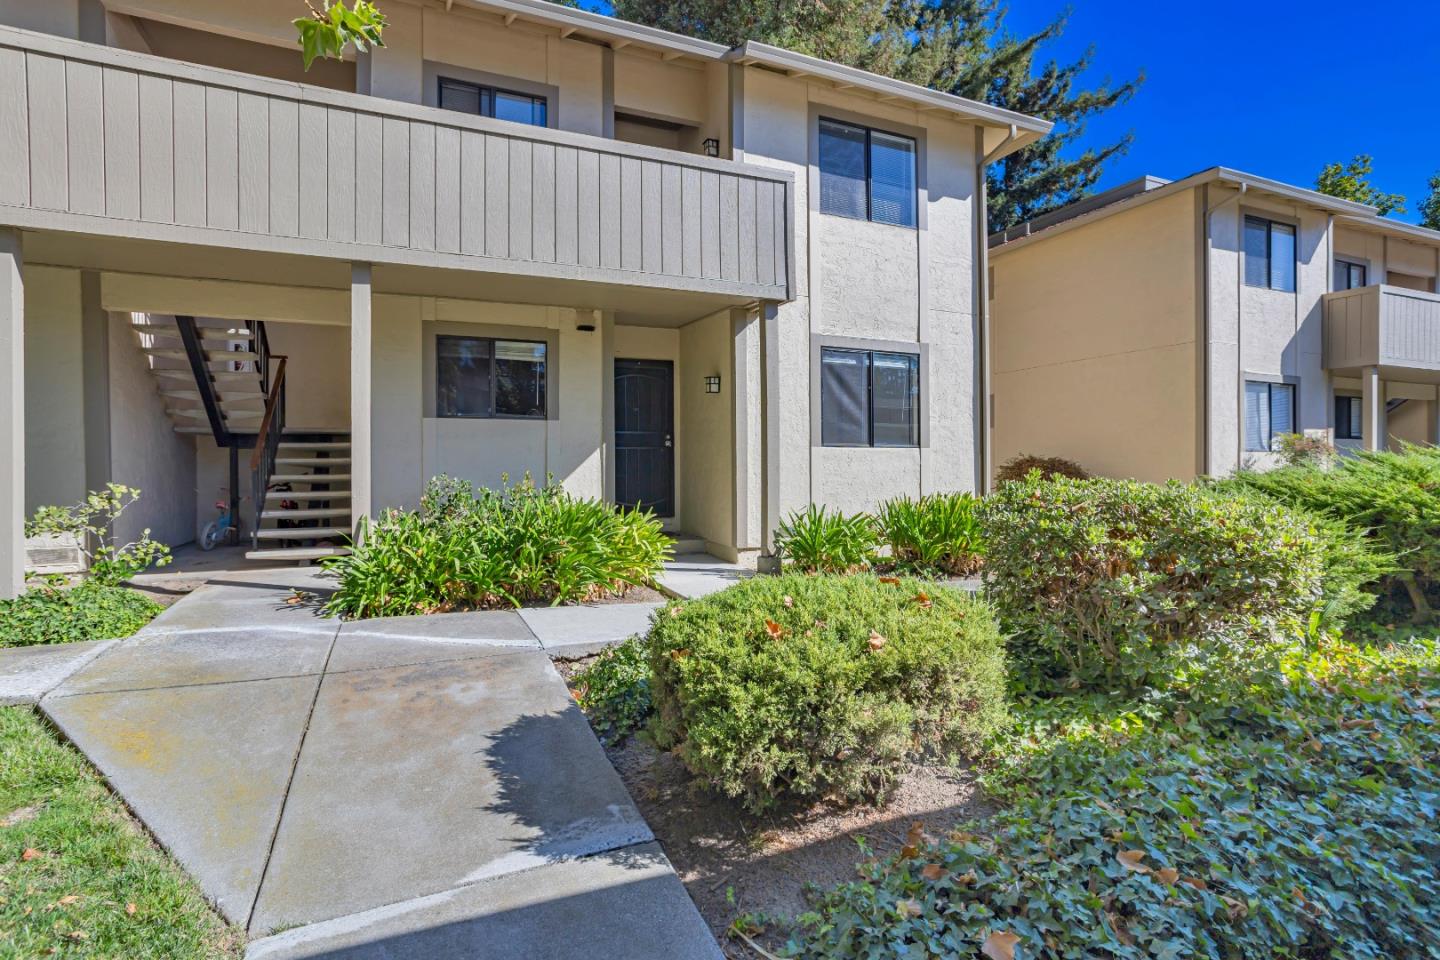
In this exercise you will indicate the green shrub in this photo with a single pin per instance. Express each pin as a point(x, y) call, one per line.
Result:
point(938, 533)
point(466, 548)
point(90, 611)
point(1119, 583)
point(614, 690)
point(1292, 818)
point(800, 687)
point(1392, 496)
point(817, 540)
point(1018, 468)
point(89, 523)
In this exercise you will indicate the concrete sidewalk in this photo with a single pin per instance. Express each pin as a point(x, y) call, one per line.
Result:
point(414, 787)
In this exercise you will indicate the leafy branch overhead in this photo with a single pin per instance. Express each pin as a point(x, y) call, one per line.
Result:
point(330, 29)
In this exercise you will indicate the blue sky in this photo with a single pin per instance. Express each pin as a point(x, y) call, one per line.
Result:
point(1276, 88)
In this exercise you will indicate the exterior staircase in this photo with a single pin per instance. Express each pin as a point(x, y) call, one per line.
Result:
point(218, 377)
point(305, 513)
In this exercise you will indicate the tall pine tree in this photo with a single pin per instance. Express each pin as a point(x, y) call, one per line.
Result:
point(959, 46)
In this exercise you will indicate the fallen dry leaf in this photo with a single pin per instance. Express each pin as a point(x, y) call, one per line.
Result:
point(1130, 860)
point(680, 654)
point(876, 640)
point(911, 908)
point(68, 899)
point(924, 600)
point(895, 581)
point(130, 909)
point(774, 629)
point(788, 600)
point(932, 871)
point(1000, 945)
point(1235, 908)
point(78, 935)
point(676, 610)
point(914, 837)
point(30, 854)
point(1168, 876)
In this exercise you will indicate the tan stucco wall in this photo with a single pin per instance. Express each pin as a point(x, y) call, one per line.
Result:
point(317, 379)
point(54, 389)
point(705, 431)
point(1093, 344)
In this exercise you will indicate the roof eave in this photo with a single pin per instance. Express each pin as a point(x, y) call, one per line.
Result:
point(1409, 231)
point(1028, 129)
point(612, 31)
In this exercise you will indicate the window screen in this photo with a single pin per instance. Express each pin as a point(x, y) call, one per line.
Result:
point(1347, 419)
point(867, 174)
point(869, 398)
point(478, 377)
point(490, 102)
point(1269, 411)
point(1269, 254)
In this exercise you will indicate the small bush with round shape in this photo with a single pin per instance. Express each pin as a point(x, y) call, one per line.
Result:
point(820, 540)
point(1118, 583)
point(798, 688)
point(1018, 468)
point(938, 533)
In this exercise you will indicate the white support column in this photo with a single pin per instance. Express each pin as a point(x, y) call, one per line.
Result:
point(770, 425)
point(1432, 421)
point(1372, 410)
point(12, 416)
point(748, 427)
point(361, 373)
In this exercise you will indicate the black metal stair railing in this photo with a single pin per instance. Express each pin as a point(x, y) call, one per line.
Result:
point(267, 441)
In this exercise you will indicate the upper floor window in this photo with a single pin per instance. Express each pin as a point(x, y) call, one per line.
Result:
point(867, 174)
point(1349, 275)
point(869, 398)
point(492, 102)
point(480, 377)
point(1269, 412)
point(1269, 254)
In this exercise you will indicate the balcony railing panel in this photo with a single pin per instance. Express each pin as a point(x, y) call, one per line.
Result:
point(111, 142)
point(1382, 326)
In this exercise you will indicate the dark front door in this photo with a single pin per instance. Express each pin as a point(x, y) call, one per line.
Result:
point(645, 435)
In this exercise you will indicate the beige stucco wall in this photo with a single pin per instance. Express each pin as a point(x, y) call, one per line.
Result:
point(145, 450)
point(1093, 344)
point(317, 378)
point(54, 389)
point(705, 461)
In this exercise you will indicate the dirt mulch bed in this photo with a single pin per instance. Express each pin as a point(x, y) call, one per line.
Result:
point(733, 863)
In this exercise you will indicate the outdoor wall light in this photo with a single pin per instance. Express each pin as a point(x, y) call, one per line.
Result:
point(712, 383)
point(712, 147)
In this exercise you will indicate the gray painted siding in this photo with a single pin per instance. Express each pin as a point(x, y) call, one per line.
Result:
point(1382, 325)
point(108, 140)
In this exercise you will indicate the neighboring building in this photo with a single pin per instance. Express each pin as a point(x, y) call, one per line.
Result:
point(520, 238)
point(1165, 330)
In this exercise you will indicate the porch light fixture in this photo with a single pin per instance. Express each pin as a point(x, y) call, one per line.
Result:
point(712, 149)
point(712, 383)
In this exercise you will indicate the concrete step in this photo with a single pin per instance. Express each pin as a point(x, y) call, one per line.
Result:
point(298, 445)
point(686, 543)
point(275, 496)
point(311, 478)
point(301, 533)
point(312, 462)
point(297, 553)
point(308, 513)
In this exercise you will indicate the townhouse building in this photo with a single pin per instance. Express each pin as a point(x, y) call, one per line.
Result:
point(717, 283)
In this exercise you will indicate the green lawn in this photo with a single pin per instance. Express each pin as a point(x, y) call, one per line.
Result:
point(78, 876)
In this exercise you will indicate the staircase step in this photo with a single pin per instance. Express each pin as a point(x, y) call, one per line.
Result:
point(308, 513)
point(312, 462)
point(189, 429)
point(297, 553)
point(310, 478)
point(278, 495)
point(319, 445)
point(213, 355)
point(226, 396)
point(302, 533)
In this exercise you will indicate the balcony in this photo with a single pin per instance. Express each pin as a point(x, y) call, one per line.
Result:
point(103, 142)
point(1393, 328)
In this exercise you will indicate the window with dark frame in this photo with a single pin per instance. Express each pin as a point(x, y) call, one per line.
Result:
point(489, 378)
point(867, 174)
point(1269, 254)
point(1269, 412)
point(869, 398)
point(1349, 424)
point(1350, 275)
point(484, 101)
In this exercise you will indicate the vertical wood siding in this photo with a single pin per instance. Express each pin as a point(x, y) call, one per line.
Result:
point(1382, 325)
point(99, 139)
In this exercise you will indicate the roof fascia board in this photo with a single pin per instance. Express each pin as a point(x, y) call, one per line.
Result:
point(797, 64)
point(615, 31)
